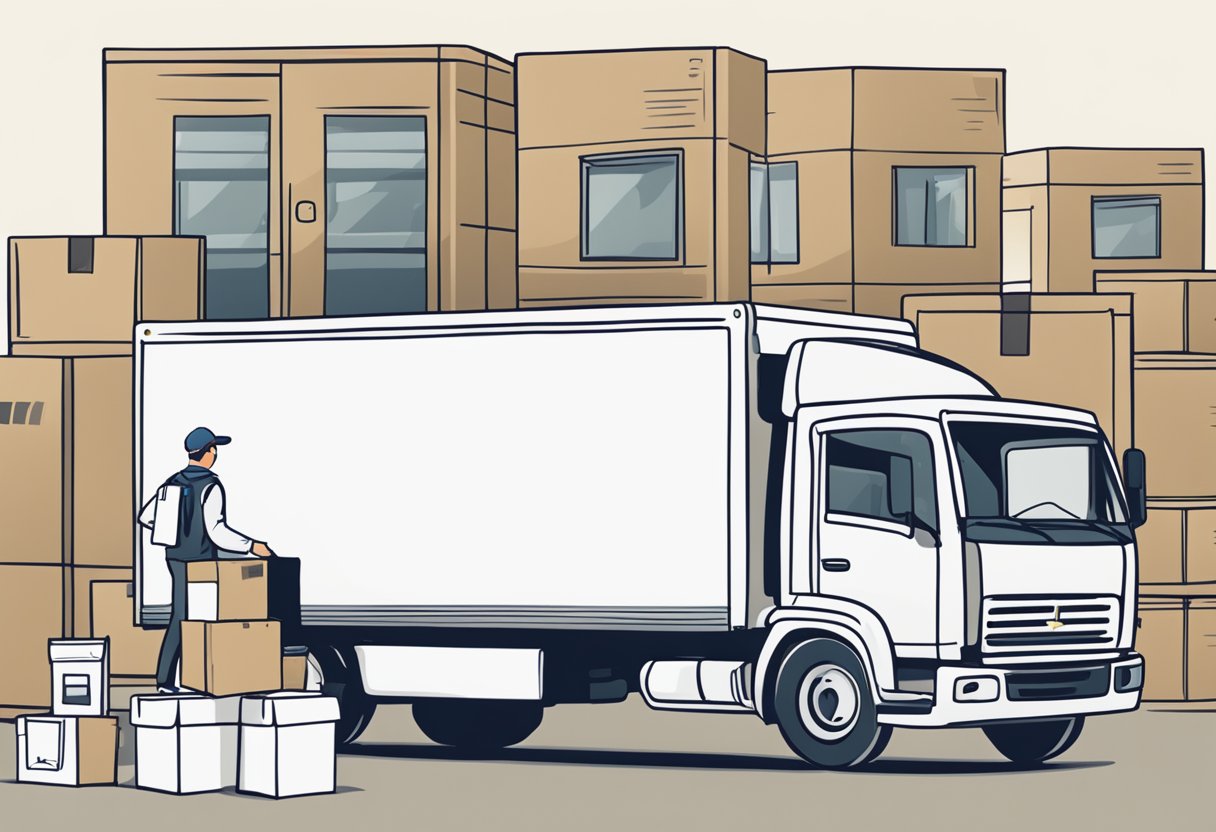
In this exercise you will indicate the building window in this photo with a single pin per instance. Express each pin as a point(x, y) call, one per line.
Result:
point(375, 214)
point(1126, 226)
point(932, 206)
point(632, 207)
point(774, 212)
point(221, 191)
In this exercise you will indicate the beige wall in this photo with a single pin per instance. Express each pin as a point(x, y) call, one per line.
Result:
point(705, 104)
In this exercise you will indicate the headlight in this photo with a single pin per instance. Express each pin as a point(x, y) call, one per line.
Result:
point(1129, 677)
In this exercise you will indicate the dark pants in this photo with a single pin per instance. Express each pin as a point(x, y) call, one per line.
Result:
point(171, 647)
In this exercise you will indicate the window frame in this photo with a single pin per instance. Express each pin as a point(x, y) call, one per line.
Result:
point(1093, 226)
point(769, 260)
point(969, 206)
point(865, 521)
point(586, 162)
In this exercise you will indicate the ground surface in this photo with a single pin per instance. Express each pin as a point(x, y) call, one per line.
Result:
point(624, 767)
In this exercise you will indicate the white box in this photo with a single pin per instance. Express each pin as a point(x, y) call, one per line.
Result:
point(287, 744)
point(185, 743)
point(67, 750)
point(80, 676)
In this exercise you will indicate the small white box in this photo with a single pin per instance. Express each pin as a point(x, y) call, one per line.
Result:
point(287, 744)
point(80, 676)
point(185, 743)
point(67, 750)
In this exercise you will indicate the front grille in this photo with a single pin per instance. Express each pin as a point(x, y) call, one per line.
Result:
point(1033, 625)
point(1071, 683)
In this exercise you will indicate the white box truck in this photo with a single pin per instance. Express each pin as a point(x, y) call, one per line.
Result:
point(728, 507)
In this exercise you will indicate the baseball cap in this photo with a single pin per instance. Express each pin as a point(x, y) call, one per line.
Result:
point(200, 438)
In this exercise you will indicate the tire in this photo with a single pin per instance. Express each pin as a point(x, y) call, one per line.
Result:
point(339, 678)
point(477, 724)
point(1028, 743)
point(824, 706)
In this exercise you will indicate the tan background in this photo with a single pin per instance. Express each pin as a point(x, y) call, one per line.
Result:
point(1116, 73)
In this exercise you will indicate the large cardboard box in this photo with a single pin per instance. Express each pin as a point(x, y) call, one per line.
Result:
point(1160, 638)
point(184, 743)
point(133, 650)
point(1201, 649)
point(287, 744)
point(1175, 424)
point(65, 438)
point(227, 590)
point(223, 658)
point(83, 295)
point(1172, 311)
point(1072, 350)
point(1178, 543)
point(67, 750)
point(31, 613)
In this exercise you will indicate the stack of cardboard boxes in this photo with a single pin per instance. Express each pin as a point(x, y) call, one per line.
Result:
point(68, 510)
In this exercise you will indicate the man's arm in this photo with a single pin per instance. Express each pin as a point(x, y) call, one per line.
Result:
point(221, 534)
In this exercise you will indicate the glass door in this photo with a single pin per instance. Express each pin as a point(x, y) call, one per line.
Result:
point(375, 214)
point(221, 190)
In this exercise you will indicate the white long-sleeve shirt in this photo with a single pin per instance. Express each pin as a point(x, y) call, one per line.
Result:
point(222, 535)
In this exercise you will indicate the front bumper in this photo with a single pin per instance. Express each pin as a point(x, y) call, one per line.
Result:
point(982, 695)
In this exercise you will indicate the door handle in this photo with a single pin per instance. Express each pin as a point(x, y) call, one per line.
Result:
point(836, 565)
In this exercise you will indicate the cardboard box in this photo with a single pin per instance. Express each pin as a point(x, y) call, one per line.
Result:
point(31, 613)
point(1175, 404)
point(1160, 639)
point(83, 295)
point(185, 744)
point(67, 750)
point(295, 668)
point(65, 424)
point(1172, 311)
point(1178, 543)
point(1077, 350)
point(223, 658)
point(287, 744)
point(226, 590)
point(1201, 649)
point(80, 677)
point(133, 650)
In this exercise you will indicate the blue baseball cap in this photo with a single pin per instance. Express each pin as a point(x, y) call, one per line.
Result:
point(200, 438)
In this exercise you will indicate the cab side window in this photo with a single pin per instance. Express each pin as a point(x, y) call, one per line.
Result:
point(865, 469)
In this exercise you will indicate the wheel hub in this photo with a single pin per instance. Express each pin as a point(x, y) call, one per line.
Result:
point(829, 702)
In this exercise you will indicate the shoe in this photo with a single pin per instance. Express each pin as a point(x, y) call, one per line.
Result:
point(168, 689)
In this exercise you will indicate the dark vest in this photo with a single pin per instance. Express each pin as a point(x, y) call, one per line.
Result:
point(193, 543)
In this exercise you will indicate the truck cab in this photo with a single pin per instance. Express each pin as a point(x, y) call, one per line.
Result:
point(974, 556)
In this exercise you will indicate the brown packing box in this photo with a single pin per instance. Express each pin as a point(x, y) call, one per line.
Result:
point(232, 590)
point(65, 438)
point(31, 613)
point(1160, 639)
point(133, 650)
point(83, 295)
point(1173, 311)
point(96, 747)
point(1079, 350)
point(224, 658)
point(1201, 649)
point(1176, 424)
point(1178, 543)
point(295, 671)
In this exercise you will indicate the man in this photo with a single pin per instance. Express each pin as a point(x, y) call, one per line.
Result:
point(202, 534)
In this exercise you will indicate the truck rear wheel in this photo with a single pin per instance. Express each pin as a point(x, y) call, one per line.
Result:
point(1035, 742)
point(477, 724)
point(339, 678)
point(824, 707)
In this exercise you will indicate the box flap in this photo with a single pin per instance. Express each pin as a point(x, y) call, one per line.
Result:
point(77, 649)
point(202, 570)
point(169, 710)
point(288, 708)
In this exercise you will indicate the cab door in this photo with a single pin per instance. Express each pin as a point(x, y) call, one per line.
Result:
point(876, 525)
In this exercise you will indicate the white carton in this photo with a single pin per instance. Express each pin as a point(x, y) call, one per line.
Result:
point(185, 743)
point(80, 676)
point(287, 744)
point(67, 750)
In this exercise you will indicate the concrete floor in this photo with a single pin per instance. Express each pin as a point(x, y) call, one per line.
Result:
point(624, 766)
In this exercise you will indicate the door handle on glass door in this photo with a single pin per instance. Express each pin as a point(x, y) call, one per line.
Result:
point(836, 565)
point(306, 211)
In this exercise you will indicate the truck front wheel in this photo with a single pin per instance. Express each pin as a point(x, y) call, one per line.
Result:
point(824, 706)
point(477, 724)
point(1035, 742)
point(338, 673)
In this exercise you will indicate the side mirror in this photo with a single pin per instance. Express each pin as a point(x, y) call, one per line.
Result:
point(899, 493)
point(1135, 484)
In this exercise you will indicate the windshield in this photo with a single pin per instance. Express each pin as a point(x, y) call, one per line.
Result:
point(1036, 474)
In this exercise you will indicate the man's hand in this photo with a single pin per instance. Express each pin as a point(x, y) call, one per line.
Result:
point(261, 550)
